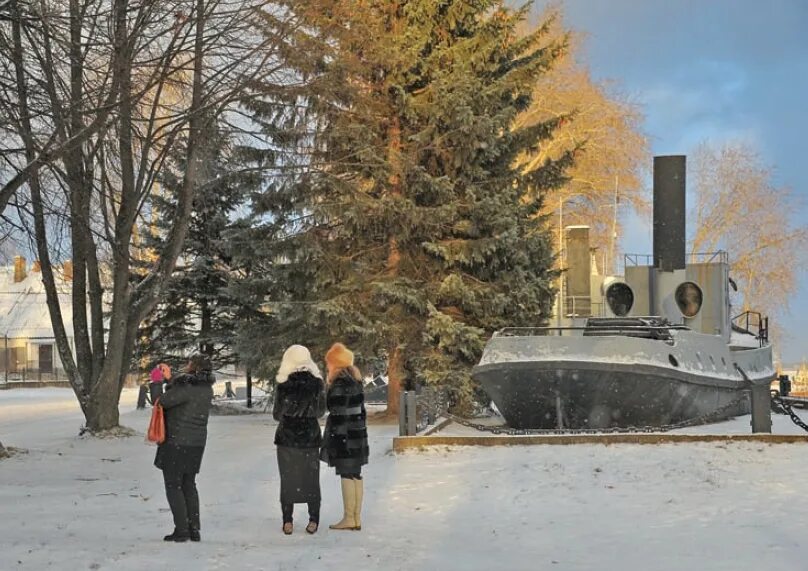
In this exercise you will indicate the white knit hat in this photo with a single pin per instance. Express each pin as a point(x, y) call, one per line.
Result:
point(296, 358)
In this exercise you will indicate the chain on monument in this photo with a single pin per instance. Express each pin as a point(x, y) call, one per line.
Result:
point(718, 414)
point(787, 409)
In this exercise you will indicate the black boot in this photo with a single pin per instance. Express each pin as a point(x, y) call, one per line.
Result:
point(193, 532)
point(314, 517)
point(178, 536)
point(179, 511)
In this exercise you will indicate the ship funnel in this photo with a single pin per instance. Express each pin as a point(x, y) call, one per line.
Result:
point(669, 213)
point(669, 236)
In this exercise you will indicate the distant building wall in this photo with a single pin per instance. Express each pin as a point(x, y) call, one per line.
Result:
point(30, 359)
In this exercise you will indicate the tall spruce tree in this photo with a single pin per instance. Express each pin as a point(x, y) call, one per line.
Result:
point(198, 310)
point(403, 233)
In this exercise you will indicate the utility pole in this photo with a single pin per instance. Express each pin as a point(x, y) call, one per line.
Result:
point(612, 268)
point(560, 296)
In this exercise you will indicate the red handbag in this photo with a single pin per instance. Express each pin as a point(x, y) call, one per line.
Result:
point(157, 425)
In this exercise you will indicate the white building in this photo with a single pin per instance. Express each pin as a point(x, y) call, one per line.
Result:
point(27, 344)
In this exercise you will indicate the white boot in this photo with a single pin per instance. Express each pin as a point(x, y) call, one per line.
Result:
point(349, 503)
point(359, 491)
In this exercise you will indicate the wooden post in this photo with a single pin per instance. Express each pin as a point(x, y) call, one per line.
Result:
point(406, 414)
point(761, 409)
point(559, 412)
point(249, 388)
point(141, 396)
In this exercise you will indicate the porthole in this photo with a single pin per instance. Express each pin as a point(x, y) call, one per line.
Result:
point(689, 299)
point(673, 360)
point(620, 298)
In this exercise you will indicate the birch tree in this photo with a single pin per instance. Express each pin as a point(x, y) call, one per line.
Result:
point(603, 128)
point(737, 207)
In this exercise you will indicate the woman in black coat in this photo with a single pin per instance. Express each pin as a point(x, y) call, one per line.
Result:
point(186, 403)
point(299, 402)
point(345, 445)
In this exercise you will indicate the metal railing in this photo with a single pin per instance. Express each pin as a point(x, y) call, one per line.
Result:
point(630, 260)
point(29, 374)
point(721, 256)
point(583, 306)
point(753, 323)
point(419, 410)
point(620, 327)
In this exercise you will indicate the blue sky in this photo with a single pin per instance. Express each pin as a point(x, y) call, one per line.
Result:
point(721, 70)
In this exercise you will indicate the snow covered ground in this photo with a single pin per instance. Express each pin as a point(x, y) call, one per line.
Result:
point(781, 424)
point(73, 503)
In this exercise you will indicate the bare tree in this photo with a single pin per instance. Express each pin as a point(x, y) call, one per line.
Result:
point(738, 208)
point(118, 87)
point(603, 127)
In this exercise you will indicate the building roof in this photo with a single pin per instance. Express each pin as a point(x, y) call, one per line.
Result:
point(23, 306)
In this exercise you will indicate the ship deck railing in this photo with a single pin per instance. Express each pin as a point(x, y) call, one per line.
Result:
point(719, 257)
point(593, 330)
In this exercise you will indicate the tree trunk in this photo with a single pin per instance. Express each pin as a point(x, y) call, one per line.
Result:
point(43, 251)
point(395, 369)
point(395, 380)
point(206, 346)
point(102, 408)
point(78, 185)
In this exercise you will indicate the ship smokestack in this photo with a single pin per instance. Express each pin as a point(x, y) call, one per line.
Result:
point(669, 212)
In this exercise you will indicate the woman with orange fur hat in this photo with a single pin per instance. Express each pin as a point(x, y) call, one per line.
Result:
point(345, 442)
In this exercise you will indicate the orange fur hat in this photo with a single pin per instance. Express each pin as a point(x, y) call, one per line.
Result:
point(338, 357)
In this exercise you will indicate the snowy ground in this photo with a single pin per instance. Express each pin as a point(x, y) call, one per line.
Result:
point(781, 424)
point(73, 503)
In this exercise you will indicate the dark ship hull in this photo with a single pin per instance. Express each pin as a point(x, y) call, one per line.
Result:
point(579, 382)
point(586, 395)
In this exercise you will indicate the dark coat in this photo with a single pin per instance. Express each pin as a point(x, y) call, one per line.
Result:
point(299, 402)
point(186, 403)
point(346, 434)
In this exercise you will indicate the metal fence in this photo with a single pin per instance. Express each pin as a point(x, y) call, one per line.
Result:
point(30, 360)
point(31, 373)
point(420, 409)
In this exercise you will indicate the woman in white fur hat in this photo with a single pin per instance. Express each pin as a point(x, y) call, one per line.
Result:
point(299, 402)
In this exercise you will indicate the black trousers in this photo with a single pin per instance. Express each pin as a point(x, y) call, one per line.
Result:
point(314, 512)
point(183, 499)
